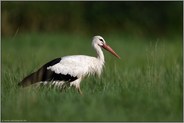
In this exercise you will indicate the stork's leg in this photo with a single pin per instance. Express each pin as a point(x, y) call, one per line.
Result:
point(79, 90)
point(76, 84)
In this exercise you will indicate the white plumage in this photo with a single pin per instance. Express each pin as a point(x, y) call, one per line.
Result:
point(78, 65)
point(72, 69)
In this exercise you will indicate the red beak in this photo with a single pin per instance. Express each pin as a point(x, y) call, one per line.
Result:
point(108, 48)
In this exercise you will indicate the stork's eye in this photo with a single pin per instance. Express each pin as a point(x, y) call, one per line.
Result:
point(101, 40)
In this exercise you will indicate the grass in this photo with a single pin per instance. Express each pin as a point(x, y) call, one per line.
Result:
point(145, 85)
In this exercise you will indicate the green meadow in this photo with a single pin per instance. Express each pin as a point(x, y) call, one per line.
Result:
point(146, 84)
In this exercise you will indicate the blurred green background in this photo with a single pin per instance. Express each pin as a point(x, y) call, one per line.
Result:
point(139, 19)
point(145, 85)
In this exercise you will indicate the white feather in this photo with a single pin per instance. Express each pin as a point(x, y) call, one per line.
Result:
point(78, 66)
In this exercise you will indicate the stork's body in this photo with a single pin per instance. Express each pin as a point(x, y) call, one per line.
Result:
point(70, 70)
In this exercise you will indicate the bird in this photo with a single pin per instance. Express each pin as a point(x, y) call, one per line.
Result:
point(70, 70)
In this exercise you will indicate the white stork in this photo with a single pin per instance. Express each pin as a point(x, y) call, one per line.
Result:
point(70, 70)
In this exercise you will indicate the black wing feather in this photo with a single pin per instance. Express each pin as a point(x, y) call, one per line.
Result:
point(43, 74)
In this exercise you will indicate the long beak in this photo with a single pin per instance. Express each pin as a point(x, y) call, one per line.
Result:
point(108, 48)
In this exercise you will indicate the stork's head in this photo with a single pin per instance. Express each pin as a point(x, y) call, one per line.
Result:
point(99, 41)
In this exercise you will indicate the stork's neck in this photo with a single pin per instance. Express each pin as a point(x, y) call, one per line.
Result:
point(99, 52)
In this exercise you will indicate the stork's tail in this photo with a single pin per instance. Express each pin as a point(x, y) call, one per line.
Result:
point(41, 74)
point(31, 79)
